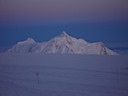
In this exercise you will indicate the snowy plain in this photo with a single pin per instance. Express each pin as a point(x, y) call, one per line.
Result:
point(63, 75)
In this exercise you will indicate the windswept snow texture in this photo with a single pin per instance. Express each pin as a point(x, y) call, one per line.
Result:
point(63, 75)
point(61, 44)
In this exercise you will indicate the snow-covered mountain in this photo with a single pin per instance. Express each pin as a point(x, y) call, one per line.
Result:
point(61, 44)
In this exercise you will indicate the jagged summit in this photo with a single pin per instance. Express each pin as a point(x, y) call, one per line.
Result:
point(63, 44)
point(64, 34)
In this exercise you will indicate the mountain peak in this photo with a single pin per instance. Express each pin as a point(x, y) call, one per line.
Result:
point(64, 34)
point(28, 40)
point(63, 43)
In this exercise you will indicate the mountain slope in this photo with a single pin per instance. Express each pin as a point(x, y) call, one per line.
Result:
point(63, 44)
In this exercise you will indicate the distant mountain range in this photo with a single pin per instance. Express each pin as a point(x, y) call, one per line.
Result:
point(62, 44)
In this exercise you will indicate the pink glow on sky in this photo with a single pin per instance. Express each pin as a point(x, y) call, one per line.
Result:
point(64, 10)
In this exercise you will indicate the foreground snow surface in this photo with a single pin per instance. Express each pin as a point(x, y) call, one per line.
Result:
point(63, 75)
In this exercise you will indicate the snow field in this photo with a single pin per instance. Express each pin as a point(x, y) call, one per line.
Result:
point(63, 75)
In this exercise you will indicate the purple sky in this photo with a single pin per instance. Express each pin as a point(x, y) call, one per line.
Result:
point(63, 11)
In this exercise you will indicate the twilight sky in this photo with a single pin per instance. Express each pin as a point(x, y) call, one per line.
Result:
point(94, 20)
point(60, 11)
